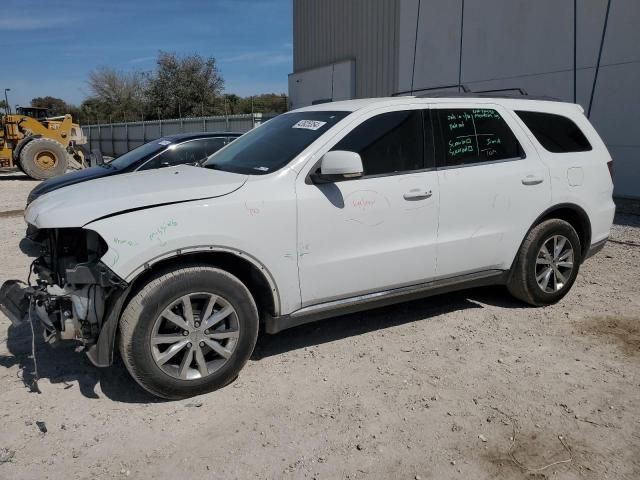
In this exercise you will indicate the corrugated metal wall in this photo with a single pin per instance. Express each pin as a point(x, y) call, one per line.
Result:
point(327, 31)
point(529, 44)
point(114, 139)
point(505, 44)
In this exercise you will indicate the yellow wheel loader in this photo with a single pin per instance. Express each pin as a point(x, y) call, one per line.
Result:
point(41, 146)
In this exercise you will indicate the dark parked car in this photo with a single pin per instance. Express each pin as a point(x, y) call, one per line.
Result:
point(186, 148)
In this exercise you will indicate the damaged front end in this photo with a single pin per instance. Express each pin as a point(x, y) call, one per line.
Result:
point(74, 295)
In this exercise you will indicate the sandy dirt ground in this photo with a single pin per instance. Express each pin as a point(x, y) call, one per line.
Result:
point(471, 385)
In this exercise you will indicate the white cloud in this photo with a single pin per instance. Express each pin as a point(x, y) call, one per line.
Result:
point(134, 61)
point(24, 22)
point(260, 58)
point(245, 88)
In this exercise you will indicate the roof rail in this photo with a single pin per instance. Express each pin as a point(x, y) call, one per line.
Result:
point(460, 87)
point(519, 90)
point(465, 91)
point(487, 95)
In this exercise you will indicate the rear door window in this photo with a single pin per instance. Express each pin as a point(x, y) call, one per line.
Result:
point(388, 143)
point(556, 133)
point(468, 136)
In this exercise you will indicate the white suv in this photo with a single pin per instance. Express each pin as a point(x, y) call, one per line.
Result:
point(321, 211)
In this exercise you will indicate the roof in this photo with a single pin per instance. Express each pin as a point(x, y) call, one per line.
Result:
point(196, 135)
point(522, 102)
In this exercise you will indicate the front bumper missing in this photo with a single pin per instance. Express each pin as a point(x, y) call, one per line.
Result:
point(14, 301)
point(21, 304)
point(86, 310)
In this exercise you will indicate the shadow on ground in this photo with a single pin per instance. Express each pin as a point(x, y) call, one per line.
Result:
point(62, 365)
point(380, 318)
point(13, 176)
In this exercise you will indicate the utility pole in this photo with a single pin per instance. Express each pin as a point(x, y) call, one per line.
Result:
point(595, 75)
point(6, 99)
point(575, 50)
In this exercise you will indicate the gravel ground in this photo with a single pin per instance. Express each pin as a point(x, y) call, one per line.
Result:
point(467, 385)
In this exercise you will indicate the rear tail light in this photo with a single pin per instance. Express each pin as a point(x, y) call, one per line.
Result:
point(610, 167)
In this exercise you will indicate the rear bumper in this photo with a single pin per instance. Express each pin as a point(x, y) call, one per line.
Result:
point(595, 248)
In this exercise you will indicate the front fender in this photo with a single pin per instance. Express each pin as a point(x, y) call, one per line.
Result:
point(136, 240)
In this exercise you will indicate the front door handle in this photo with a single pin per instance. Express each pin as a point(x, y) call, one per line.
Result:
point(417, 194)
point(532, 180)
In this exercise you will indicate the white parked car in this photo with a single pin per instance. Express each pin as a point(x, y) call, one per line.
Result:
point(321, 211)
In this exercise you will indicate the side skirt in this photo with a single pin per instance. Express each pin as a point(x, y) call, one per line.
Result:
point(345, 306)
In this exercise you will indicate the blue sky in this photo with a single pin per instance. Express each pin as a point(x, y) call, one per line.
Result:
point(49, 46)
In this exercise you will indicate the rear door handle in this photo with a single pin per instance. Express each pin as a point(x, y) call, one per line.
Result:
point(532, 180)
point(417, 194)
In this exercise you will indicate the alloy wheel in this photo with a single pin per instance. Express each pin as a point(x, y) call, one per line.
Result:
point(195, 336)
point(554, 264)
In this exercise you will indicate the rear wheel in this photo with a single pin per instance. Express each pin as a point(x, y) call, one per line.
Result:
point(188, 331)
point(43, 158)
point(547, 263)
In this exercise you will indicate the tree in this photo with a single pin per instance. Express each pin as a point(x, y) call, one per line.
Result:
point(116, 95)
point(180, 86)
point(265, 103)
point(185, 86)
point(3, 105)
point(231, 104)
point(56, 106)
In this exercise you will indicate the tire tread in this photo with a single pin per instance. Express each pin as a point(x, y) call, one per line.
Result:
point(133, 311)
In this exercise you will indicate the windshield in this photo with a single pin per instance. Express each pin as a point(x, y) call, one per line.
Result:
point(274, 144)
point(143, 152)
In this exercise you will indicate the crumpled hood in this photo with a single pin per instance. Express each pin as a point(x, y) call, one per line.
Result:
point(76, 205)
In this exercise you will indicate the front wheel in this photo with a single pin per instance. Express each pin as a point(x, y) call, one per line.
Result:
point(547, 263)
point(43, 158)
point(188, 331)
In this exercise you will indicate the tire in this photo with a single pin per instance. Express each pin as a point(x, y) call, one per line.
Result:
point(16, 152)
point(43, 158)
point(142, 321)
point(526, 273)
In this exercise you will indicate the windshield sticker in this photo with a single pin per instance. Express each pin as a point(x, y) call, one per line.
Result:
point(309, 124)
point(164, 142)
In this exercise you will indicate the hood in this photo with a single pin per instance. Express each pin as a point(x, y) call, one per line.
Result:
point(76, 205)
point(70, 179)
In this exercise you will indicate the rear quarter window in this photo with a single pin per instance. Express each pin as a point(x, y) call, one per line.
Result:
point(556, 133)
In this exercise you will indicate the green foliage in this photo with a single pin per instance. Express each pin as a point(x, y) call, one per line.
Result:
point(179, 86)
point(185, 86)
point(56, 106)
point(3, 105)
point(116, 96)
point(267, 102)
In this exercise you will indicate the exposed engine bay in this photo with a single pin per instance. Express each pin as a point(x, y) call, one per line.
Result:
point(72, 290)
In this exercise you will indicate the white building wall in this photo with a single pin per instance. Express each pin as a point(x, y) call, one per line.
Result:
point(527, 44)
point(505, 44)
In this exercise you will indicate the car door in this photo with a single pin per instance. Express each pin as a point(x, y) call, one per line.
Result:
point(492, 187)
point(376, 232)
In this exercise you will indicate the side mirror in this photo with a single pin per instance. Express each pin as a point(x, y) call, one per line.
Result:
point(338, 165)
